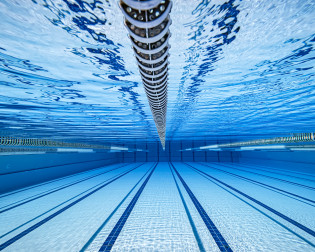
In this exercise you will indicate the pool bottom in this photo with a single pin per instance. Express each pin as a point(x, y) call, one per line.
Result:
point(164, 207)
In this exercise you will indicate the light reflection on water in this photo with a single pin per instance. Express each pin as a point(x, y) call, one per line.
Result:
point(237, 69)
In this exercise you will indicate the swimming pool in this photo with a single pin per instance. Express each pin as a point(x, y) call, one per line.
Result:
point(81, 164)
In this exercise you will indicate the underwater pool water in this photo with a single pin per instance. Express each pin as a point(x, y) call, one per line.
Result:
point(238, 71)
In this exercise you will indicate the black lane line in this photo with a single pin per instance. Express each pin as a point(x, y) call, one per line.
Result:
point(191, 221)
point(217, 236)
point(112, 237)
point(264, 185)
point(55, 207)
point(88, 243)
point(52, 166)
point(48, 218)
point(282, 180)
point(295, 223)
point(50, 191)
point(51, 181)
point(255, 167)
point(260, 211)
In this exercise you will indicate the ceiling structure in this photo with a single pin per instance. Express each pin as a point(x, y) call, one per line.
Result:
point(237, 70)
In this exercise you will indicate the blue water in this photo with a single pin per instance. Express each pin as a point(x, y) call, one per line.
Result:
point(238, 69)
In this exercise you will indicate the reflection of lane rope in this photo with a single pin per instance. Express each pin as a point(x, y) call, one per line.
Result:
point(147, 23)
point(12, 141)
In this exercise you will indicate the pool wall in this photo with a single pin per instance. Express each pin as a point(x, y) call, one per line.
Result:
point(304, 161)
point(18, 171)
point(173, 153)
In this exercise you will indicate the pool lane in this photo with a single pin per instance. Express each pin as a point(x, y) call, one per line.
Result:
point(243, 225)
point(296, 210)
point(41, 207)
point(50, 228)
point(304, 192)
point(53, 190)
point(215, 233)
point(158, 221)
point(267, 186)
point(281, 215)
point(192, 222)
point(112, 237)
point(279, 178)
point(29, 192)
point(87, 246)
point(282, 173)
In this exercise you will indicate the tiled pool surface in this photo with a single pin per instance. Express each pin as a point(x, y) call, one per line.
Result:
point(164, 207)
